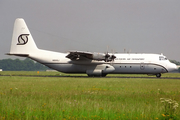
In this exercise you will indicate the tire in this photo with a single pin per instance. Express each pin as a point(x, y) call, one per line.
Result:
point(158, 75)
point(90, 75)
point(104, 75)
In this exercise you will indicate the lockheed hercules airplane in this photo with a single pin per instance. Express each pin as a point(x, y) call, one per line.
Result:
point(91, 63)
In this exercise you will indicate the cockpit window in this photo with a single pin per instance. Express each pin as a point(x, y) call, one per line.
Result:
point(162, 58)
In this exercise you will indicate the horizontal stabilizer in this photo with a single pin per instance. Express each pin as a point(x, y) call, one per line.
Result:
point(21, 55)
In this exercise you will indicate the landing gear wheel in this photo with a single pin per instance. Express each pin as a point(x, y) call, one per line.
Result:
point(104, 75)
point(90, 75)
point(158, 75)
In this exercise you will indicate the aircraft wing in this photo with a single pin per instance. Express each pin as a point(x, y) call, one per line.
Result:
point(76, 55)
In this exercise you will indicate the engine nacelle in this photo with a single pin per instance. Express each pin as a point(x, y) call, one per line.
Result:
point(98, 56)
point(102, 56)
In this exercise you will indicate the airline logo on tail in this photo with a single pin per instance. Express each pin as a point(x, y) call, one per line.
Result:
point(22, 39)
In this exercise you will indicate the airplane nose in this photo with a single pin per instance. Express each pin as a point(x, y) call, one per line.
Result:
point(172, 68)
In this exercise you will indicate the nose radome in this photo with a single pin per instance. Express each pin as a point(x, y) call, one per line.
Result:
point(172, 67)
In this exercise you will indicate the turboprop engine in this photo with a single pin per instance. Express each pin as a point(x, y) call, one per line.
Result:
point(98, 56)
point(101, 56)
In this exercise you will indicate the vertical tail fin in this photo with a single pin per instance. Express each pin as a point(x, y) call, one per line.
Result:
point(22, 41)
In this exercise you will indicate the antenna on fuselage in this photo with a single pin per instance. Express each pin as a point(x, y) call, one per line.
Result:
point(124, 50)
point(129, 51)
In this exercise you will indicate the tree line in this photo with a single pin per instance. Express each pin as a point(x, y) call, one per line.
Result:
point(175, 62)
point(21, 65)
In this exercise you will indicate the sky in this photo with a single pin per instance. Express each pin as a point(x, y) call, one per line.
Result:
point(135, 26)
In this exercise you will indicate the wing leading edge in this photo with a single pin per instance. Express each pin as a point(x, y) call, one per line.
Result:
point(76, 55)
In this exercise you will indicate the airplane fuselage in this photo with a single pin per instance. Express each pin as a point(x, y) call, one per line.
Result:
point(122, 64)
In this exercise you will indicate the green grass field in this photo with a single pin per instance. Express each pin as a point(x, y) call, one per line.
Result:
point(23, 97)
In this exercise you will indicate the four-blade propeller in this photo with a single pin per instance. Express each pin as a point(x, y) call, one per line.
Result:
point(109, 58)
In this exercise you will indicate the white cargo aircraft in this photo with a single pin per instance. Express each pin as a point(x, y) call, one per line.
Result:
point(93, 64)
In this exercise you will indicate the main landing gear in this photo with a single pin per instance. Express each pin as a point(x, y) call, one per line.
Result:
point(102, 75)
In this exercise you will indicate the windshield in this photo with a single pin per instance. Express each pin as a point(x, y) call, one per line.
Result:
point(162, 58)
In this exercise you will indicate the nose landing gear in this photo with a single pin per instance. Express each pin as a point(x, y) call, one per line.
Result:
point(158, 75)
